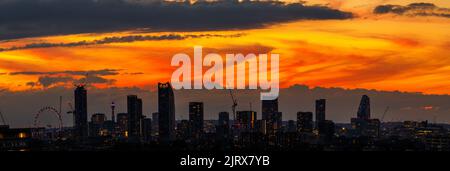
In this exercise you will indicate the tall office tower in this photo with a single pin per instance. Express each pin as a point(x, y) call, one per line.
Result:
point(320, 111)
point(269, 108)
point(166, 110)
point(122, 124)
point(155, 123)
point(134, 110)
point(147, 128)
point(140, 116)
point(364, 108)
point(196, 118)
point(223, 126)
point(81, 118)
point(305, 122)
point(224, 119)
point(277, 120)
point(269, 113)
point(362, 124)
point(247, 119)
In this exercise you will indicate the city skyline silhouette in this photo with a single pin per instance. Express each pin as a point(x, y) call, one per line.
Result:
point(105, 75)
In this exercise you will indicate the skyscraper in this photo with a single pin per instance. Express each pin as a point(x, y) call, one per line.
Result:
point(146, 128)
point(81, 118)
point(277, 120)
point(166, 110)
point(363, 125)
point(270, 114)
point(223, 125)
point(155, 123)
point(364, 108)
point(305, 122)
point(155, 117)
point(320, 111)
point(196, 118)
point(224, 119)
point(134, 110)
point(269, 107)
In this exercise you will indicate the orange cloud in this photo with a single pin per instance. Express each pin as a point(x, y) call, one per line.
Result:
point(385, 54)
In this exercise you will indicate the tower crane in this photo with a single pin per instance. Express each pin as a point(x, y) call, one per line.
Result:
point(384, 114)
point(234, 100)
point(71, 111)
point(233, 107)
point(3, 118)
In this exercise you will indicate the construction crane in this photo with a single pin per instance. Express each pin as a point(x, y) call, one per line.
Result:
point(233, 107)
point(3, 118)
point(71, 111)
point(384, 114)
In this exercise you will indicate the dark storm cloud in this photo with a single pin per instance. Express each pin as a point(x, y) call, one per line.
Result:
point(46, 81)
point(102, 72)
point(414, 9)
point(94, 79)
point(29, 18)
point(31, 84)
point(117, 39)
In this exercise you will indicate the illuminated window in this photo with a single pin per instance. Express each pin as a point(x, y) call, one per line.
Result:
point(22, 135)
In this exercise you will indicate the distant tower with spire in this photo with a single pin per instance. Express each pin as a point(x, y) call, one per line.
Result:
point(113, 106)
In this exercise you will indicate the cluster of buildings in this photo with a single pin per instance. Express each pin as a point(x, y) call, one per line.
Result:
point(243, 131)
point(133, 126)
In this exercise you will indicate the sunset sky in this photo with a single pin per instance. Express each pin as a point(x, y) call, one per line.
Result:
point(383, 52)
point(388, 50)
